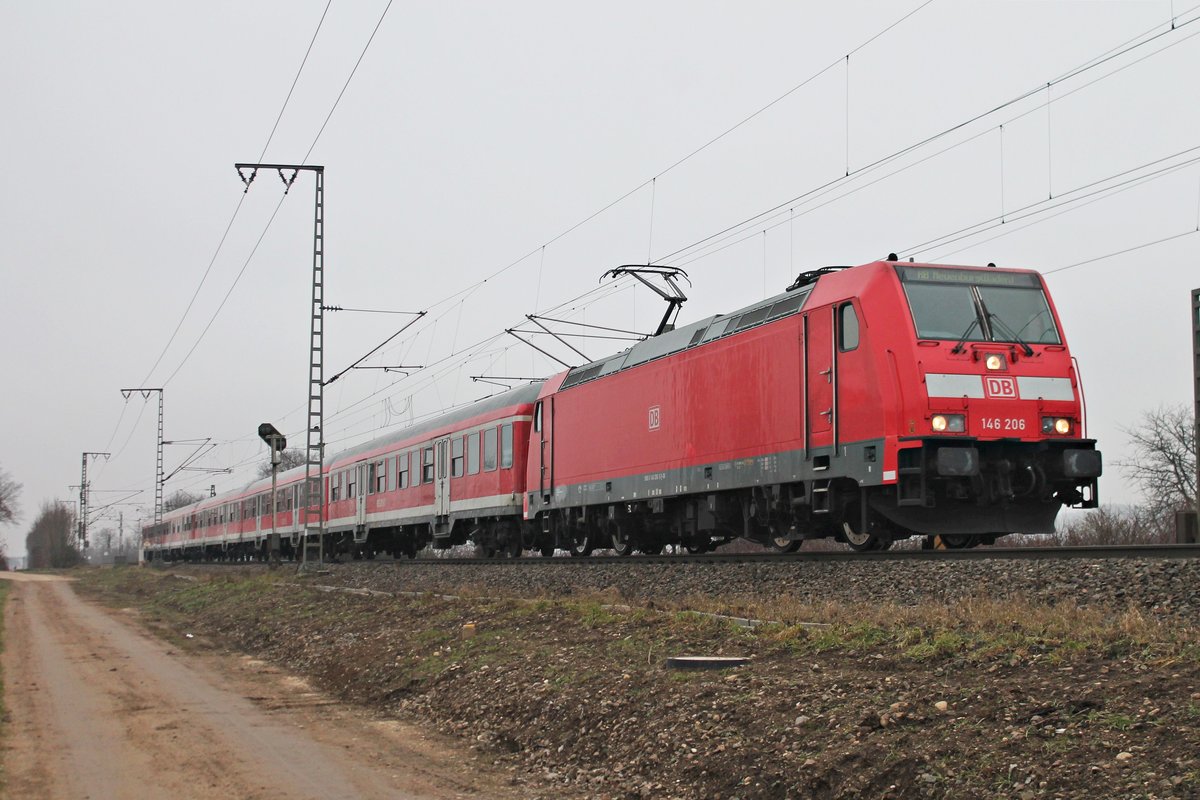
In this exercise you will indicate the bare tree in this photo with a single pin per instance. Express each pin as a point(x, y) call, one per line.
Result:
point(180, 499)
point(1113, 525)
point(292, 457)
point(50, 542)
point(10, 511)
point(1163, 461)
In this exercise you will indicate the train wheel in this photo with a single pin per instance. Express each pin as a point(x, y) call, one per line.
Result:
point(784, 544)
point(547, 550)
point(581, 543)
point(619, 537)
point(652, 549)
point(512, 547)
point(864, 542)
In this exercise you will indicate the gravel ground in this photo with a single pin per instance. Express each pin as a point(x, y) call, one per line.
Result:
point(1006, 698)
point(1165, 588)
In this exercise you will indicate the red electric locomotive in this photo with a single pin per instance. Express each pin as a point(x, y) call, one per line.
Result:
point(867, 404)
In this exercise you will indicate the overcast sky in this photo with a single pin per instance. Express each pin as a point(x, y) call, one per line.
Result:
point(472, 134)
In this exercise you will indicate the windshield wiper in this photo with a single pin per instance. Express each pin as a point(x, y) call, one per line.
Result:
point(958, 348)
point(1010, 332)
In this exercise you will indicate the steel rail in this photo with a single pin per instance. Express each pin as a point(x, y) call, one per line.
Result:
point(1173, 552)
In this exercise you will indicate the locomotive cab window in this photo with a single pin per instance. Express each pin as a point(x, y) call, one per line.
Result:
point(537, 417)
point(847, 328)
point(978, 305)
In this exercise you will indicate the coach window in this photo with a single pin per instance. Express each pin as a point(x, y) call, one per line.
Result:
point(456, 457)
point(335, 486)
point(847, 328)
point(473, 453)
point(402, 470)
point(506, 446)
point(372, 475)
point(351, 481)
point(489, 449)
point(427, 465)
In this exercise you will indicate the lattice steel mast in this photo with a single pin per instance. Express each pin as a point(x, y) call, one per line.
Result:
point(83, 497)
point(312, 510)
point(159, 480)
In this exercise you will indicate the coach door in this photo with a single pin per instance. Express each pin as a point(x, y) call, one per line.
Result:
point(441, 477)
point(820, 379)
point(360, 501)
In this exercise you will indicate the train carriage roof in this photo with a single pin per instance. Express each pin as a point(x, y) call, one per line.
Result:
point(522, 394)
point(697, 333)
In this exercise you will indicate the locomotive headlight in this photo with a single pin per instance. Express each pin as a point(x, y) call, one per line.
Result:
point(1059, 425)
point(994, 361)
point(948, 423)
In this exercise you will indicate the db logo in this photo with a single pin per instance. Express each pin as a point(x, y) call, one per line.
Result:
point(655, 417)
point(1001, 388)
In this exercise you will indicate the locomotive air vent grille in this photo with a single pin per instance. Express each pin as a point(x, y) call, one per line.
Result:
point(751, 318)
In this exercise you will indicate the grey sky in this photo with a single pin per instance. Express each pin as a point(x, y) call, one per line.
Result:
point(474, 133)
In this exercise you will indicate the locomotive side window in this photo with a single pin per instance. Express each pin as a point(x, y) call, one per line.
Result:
point(537, 418)
point(506, 446)
point(456, 457)
point(847, 328)
point(489, 449)
point(473, 453)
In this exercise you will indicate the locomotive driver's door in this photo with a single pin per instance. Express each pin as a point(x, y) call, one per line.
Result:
point(544, 422)
point(441, 477)
point(820, 380)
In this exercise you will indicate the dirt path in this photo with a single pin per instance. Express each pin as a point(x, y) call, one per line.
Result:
point(100, 710)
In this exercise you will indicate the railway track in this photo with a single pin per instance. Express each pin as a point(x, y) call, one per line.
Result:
point(1107, 552)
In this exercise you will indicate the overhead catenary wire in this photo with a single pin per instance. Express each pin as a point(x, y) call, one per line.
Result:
point(1137, 42)
point(1075, 204)
point(736, 234)
point(684, 159)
